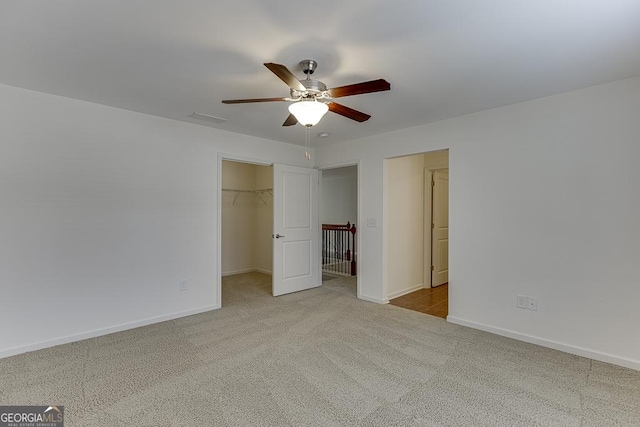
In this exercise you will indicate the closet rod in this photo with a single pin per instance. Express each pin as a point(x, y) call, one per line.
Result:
point(258, 193)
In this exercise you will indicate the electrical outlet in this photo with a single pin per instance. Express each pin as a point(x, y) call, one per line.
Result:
point(522, 302)
point(184, 285)
point(533, 303)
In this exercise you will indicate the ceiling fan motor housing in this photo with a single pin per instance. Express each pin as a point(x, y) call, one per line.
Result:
point(314, 88)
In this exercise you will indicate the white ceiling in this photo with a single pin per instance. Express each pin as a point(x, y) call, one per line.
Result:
point(443, 58)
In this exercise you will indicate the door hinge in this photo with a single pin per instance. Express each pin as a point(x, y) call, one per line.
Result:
point(433, 225)
point(433, 183)
point(432, 268)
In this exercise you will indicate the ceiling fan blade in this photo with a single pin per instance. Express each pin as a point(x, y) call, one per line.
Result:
point(350, 113)
point(285, 75)
point(360, 88)
point(246, 101)
point(291, 120)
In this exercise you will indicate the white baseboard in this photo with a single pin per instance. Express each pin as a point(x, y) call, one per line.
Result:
point(241, 271)
point(567, 348)
point(245, 270)
point(104, 331)
point(405, 291)
point(373, 299)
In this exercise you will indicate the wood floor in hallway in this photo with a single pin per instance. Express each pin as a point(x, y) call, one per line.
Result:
point(433, 301)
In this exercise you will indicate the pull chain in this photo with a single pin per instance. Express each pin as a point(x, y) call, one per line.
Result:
point(307, 147)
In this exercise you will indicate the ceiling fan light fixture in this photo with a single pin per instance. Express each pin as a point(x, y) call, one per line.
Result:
point(308, 113)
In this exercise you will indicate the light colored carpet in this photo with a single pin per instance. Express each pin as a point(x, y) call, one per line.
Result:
point(319, 357)
point(326, 276)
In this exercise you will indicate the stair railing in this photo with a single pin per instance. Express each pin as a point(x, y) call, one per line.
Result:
point(339, 249)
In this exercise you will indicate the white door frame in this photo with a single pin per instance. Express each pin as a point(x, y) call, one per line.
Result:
point(359, 225)
point(233, 158)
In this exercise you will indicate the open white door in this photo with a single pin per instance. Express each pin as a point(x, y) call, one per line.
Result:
point(296, 234)
point(440, 229)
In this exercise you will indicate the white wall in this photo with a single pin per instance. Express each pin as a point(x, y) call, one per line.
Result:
point(405, 225)
point(247, 220)
point(237, 218)
point(544, 202)
point(102, 212)
point(263, 226)
point(339, 198)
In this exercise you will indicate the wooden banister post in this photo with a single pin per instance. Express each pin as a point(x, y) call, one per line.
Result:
point(352, 229)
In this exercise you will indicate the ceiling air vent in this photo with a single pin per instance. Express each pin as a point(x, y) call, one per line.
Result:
point(207, 118)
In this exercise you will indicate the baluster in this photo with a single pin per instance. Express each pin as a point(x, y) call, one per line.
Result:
point(338, 251)
point(333, 244)
point(332, 240)
point(324, 245)
point(339, 254)
point(353, 253)
point(344, 251)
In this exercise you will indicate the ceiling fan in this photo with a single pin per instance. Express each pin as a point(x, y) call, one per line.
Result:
point(311, 98)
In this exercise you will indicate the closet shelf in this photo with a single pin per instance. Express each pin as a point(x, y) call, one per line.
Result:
point(259, 193)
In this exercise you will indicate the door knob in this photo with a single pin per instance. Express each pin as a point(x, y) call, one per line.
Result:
point(277, 236)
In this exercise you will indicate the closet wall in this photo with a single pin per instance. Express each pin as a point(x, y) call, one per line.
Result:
point(247, 218)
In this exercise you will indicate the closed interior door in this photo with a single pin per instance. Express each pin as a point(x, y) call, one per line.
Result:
point(296, 229)
point(440, 229)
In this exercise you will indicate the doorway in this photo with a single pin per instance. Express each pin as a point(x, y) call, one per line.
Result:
point(417, 232)
point(436, 230)
point(339, 222)
point(289, 238)
point(246, 228)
